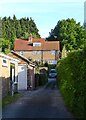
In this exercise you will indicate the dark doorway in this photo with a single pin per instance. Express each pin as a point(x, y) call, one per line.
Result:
point(12, 76)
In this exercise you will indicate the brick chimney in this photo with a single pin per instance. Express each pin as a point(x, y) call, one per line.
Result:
point(30, 38)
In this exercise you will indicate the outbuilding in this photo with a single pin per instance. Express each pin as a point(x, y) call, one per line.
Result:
point(8, 73)
point(26, 72)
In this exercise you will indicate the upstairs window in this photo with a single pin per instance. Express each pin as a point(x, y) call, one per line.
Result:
point(36, 52)
point(53, 52)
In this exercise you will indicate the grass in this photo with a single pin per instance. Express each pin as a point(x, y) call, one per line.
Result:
point(9, 99)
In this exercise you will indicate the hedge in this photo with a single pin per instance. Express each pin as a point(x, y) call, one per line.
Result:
point(72, 81)
point(43, 78)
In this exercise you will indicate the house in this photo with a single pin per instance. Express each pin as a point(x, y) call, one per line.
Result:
point(8, 73)
point(26, 72)
point(38, 49)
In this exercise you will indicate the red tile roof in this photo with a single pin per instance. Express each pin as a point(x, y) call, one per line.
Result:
point(23, 60)
point(51, 45)
point(38, 40)
point(22, 44)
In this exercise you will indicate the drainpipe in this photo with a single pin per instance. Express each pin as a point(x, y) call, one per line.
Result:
point(42, 56)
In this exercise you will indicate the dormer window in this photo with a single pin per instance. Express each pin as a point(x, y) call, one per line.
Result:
point(37, 44)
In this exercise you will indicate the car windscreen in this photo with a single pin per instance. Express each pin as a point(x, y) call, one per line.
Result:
point(52, 71)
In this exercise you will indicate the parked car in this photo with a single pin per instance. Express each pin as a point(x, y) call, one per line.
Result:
point(52, 73)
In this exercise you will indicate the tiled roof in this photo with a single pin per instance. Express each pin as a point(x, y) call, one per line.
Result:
point(23, 60)
point(22, 44)
point(38, 40)
point(51, 45)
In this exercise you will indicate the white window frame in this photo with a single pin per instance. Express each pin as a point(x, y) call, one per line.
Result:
point(21, 53)
point(53, 52)
point(36, 52)
point(36, 44)
point(5, 64)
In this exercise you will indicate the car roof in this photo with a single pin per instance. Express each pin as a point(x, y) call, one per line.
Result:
point(53, 69)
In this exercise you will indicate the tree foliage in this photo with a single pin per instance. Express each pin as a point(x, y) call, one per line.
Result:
point(70, 33)
point(6, 45)
point(17, 28)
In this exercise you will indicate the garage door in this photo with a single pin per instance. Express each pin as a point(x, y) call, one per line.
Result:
point(22, 77)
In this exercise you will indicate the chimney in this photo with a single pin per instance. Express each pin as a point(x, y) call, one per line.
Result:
point(30, 38)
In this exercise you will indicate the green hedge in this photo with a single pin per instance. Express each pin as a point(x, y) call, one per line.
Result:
point(72, 81)
point(43, 78)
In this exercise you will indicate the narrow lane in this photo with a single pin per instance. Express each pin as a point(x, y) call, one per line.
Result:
point(46, 102)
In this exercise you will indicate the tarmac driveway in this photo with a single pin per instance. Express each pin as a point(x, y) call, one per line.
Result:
point(46, 102)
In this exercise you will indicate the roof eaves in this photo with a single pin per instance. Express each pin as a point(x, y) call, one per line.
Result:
point(8, 57)
point(31, 63)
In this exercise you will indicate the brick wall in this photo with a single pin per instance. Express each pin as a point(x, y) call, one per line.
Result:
point(39, 55)
point(34, 55)
point(49, 55)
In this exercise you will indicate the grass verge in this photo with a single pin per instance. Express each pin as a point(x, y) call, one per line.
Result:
point(9, 99)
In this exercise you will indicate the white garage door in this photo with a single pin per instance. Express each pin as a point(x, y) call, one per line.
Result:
point(22, 77)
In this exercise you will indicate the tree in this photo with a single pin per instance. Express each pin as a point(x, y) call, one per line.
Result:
point(70, 34)
point(18, 28)
point(33, 28)
point(6, 44)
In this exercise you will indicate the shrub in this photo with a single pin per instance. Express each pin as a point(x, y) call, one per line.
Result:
point(46, 64)
point(72, 81)
point(43, 78)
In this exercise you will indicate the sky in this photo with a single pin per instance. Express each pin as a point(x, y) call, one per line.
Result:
point(45, 13)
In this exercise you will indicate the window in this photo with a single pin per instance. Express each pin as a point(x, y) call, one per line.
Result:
point(21, 53)
point(52, 61)
point(36, 52)
point(4, 62)
point(53, 52)
point(37, 44)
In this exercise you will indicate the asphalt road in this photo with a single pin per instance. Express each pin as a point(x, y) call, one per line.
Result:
point(46, 102)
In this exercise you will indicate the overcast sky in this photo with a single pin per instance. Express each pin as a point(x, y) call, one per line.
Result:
point(45, 13)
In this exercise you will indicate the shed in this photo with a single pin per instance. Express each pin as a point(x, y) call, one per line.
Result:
point(8, 73)
point(26, 72)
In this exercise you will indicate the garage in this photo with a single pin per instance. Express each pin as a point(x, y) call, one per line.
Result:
point(22, 77)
